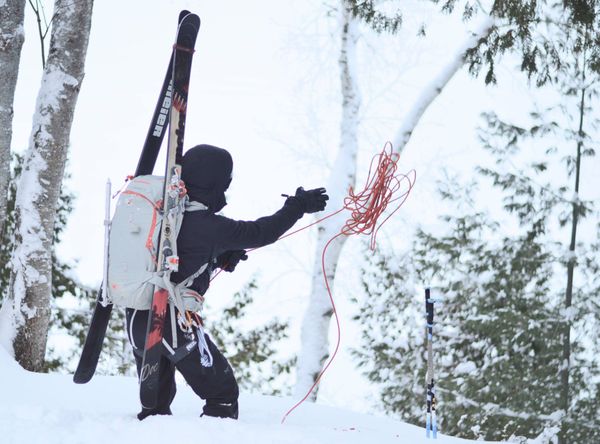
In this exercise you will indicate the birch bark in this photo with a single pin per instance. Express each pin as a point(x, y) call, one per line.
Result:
point(315, 326)
point(11, 41)
point(28, 309)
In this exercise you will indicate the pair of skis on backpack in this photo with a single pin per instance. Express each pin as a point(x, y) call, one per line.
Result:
point(170, 112)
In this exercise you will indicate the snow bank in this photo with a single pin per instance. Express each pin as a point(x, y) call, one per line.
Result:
point(51, 409)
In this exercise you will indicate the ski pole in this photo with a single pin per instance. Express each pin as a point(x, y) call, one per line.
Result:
point(430, 420)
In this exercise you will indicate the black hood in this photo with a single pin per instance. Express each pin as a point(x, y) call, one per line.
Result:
point(206, 171)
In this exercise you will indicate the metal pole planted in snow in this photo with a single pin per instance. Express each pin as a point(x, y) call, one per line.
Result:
point(430, 422)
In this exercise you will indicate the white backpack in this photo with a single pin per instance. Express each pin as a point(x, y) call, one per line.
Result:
point(133, 245)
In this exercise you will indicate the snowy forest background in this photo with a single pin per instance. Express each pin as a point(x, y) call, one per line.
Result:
point(492, 102)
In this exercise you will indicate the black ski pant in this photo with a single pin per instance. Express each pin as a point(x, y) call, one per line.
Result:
point(215, 384)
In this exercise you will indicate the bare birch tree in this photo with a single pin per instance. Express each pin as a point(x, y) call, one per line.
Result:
point(315, 326)
point(11, 41)
point(28, 309)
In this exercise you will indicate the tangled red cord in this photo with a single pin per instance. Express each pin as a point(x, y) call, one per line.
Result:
point(366, 208)
point(382, 183)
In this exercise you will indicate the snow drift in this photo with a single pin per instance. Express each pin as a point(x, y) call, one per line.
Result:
point(51, 409)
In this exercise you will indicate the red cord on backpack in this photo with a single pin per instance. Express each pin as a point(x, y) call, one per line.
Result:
point(366, 207)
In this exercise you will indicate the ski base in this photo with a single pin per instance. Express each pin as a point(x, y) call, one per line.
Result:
point(182, 63)
point(153, 349)
point(93, 343)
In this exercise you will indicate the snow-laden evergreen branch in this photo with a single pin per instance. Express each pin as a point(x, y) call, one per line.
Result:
point(496, 409)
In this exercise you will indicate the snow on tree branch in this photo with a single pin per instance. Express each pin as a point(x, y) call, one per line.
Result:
point(435, 87)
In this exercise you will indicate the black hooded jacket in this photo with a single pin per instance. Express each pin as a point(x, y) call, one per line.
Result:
point(204, 235)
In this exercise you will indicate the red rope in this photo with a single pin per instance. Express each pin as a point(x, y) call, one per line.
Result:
point(383, 182)
point(366, 207)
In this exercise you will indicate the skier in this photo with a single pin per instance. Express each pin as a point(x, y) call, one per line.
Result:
point(208, 238)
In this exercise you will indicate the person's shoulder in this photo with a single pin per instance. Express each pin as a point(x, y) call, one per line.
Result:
point(221, 219)
point(208, 217)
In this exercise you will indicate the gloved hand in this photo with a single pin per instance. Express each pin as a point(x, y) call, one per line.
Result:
point(311, 201)
point(228, 261)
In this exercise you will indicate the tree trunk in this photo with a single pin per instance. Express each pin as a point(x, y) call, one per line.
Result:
point(11, 41)
point(315, 325)
point(565, 370)
point(41, 181)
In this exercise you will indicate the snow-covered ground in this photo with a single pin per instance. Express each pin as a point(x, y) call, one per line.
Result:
point(51, 409)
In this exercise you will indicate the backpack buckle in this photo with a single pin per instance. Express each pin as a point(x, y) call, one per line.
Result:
point(172, 263)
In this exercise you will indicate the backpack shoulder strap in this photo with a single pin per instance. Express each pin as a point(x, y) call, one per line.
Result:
point(192, 205)
point(184, 298)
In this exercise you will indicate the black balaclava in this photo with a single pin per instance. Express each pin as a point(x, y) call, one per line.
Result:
point(206, 171)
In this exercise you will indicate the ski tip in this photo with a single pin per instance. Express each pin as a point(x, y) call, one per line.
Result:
point(183, 14)
point(195, 20)
point(189, 18)
point(81, 379)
